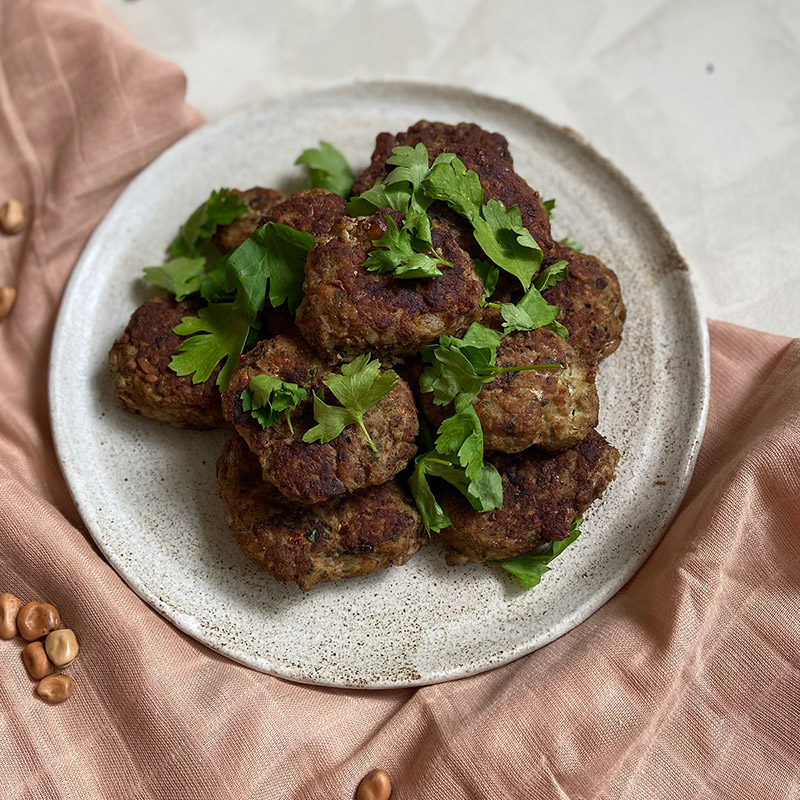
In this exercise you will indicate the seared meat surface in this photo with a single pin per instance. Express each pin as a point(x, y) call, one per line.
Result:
point(591, 304)
point(314, 211)
point(552, 409)
point(259, 200)
point(343, 538)
point(543, 493)
point(485, 153)
point(314, 472)
point(144, 383)
point(348, 310)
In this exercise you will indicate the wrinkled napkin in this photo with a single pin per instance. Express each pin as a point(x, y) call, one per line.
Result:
point(684, 685)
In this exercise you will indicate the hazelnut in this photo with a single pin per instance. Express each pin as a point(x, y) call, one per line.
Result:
point(37, 619)
point(374, 785)
point(8, 296)
point(9, 608)
point(36, 661)
point(12, 217)
point(61, 646)
point(56, 688)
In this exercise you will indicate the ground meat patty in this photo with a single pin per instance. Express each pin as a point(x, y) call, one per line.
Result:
point(591, 304)
point(312, 473)
point(143, 381)
point(553, 409)
point(344, 538)
point(348, 310)
point(314, 211)
point(259, 200)
point(483, 152)
point(542, 495)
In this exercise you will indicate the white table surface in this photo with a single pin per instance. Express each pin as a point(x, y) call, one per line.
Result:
point(697, 101)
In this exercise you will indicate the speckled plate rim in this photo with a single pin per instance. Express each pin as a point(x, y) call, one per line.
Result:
point(695, 423)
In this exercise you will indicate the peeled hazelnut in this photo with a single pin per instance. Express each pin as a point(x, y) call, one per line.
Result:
point(61, 646)
point(374, 785)
point(36, 661)
point(56, 688)
point(12, 217)
point(9, 608)
point(8, 295)
point(37, 619)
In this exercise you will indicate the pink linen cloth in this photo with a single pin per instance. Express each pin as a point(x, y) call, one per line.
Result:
point(685, 685)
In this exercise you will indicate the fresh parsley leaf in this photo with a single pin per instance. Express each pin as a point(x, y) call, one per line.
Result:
point(460, 367)
point(397, 196)
point(410, 166)
point(567, 242)
point(461, 436)
point(460, 188)
point(508, 244)
point(549, 206)
point(399, 257)
point(360, 387)
point(530, 568)
point(328, 169)
point(489, 274)
point(532, 312)
point(551, 275)
point(484, 492)
point(221, 208)
point(273, 256)
point(217, 332)
point(182, 276)
point(266, 397)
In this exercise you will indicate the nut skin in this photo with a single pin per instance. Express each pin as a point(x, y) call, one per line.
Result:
point(12, 217)
point(374, 785)
point(56, 688)
point(8, 296)
point(37, 619)
point(36, 661)
point(61, 646)
point(9, 609)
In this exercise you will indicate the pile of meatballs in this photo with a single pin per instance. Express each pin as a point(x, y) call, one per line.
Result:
point(313, 512)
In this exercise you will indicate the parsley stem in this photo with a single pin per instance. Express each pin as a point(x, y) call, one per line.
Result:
point(366, 433)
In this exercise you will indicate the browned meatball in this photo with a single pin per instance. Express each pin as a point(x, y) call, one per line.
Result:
point(143, 381)
point(314, 472)
point(553, 409)
point(483, 152)
point(591, 304)
point(543, 494)
point(344, 538)
point(348, 310)
point(259, 200)
point(314, 211)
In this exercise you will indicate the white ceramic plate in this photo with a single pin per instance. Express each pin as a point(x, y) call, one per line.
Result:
point(148, 492)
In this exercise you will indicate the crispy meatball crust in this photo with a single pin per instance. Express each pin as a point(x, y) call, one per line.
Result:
point(348, 310)
point(144, 383)
point(314, 211)
point(343, 538)
point(259, 200)
point(553, 409)
point(483, 152)
point(591, 304)
point(543, 494)
point(314, 472)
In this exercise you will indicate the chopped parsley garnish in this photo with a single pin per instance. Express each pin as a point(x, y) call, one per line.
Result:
point(489, 274)
point(531, 567)
point(398, 256)
point(191, 250)
point(328, 169)
point(484, 492)
point(266, 398)
point(274, 256)
point(217, 333)
point(360, 387)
